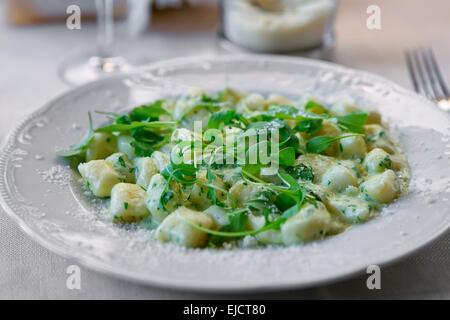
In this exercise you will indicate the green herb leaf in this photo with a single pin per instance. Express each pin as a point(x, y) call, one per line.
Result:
point(121, 162)
point(212, 190)
point(283, 112)
point(315, 107)
point(287, 157)
point(224, 118)
point(77, 153)
point(185, 174)
point(156, 125)
point(166, 196)
point(149, 112)
point(353, 122)
point(309, 126)
point(145, 141)
point(321, 143)
point(238, 221)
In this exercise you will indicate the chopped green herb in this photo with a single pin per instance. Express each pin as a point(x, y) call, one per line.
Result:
point(321, 143)
point(77, 153)
point(309, 125)
point(353, 122)
point(315, 107)
point(302, 172)
point(121, 162)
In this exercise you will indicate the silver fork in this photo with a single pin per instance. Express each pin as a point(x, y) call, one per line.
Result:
point(427, 77)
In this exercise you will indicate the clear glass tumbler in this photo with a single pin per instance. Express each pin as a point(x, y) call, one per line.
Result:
point(278, 26)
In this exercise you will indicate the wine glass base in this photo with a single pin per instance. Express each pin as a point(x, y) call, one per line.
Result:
point(85, 68)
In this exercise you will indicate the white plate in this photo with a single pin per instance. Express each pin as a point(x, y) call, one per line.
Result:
point(35, 190)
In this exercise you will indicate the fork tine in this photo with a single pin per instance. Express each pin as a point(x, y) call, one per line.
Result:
point(412, 72)
point(433, 78)
point(434, 66)
point(422, 75)
point(419, 74)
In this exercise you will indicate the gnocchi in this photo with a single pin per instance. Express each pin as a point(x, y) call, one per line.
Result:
point(377, 161)
point(198, 195)
point(337, 166)
point(338, 178)
point(100, 177)
point(178, 228)
point(101, 146)
point(353, 147)
point(267, 237)
point(219, 215)
point(123, 166)
point(145, 169)
point(383, 187)
point(310, 223)
point(128, 203)
point(161, 160)
point(161, 200)
point(349, 208)
point(125, 145)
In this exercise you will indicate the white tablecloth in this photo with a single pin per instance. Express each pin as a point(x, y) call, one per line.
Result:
point(28, 78)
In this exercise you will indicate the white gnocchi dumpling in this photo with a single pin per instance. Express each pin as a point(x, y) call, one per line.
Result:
point(353, 147)
point(99, 176)
point(219, 215)
point(266, 237)
point(383, 187)
point(178, 229)
point(122, 165)
point(320, 164)
point(342, 109)
point(199, 192)
point(243, 191)
point(196, 92)
point(161, 160)
point(338, 178)
point(156, 193)
point(101, 146)
point(374, 131)
point(377, 161)
point(278, 99)
point(254, 102)
point(128, 203)
point(329, 128)
point(230, 175)
point(145, 169)
point(183, 134)
point(125, 145)
point(374, 117)
point(310, 223)
point(182, 107)
point(349, 208)
point(377, 137)
point(187, 153)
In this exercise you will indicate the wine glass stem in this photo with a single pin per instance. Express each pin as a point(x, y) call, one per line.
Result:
point(105, 21)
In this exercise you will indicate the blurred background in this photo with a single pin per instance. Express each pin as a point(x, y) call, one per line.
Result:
point(49, 46)
point(40, 39)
